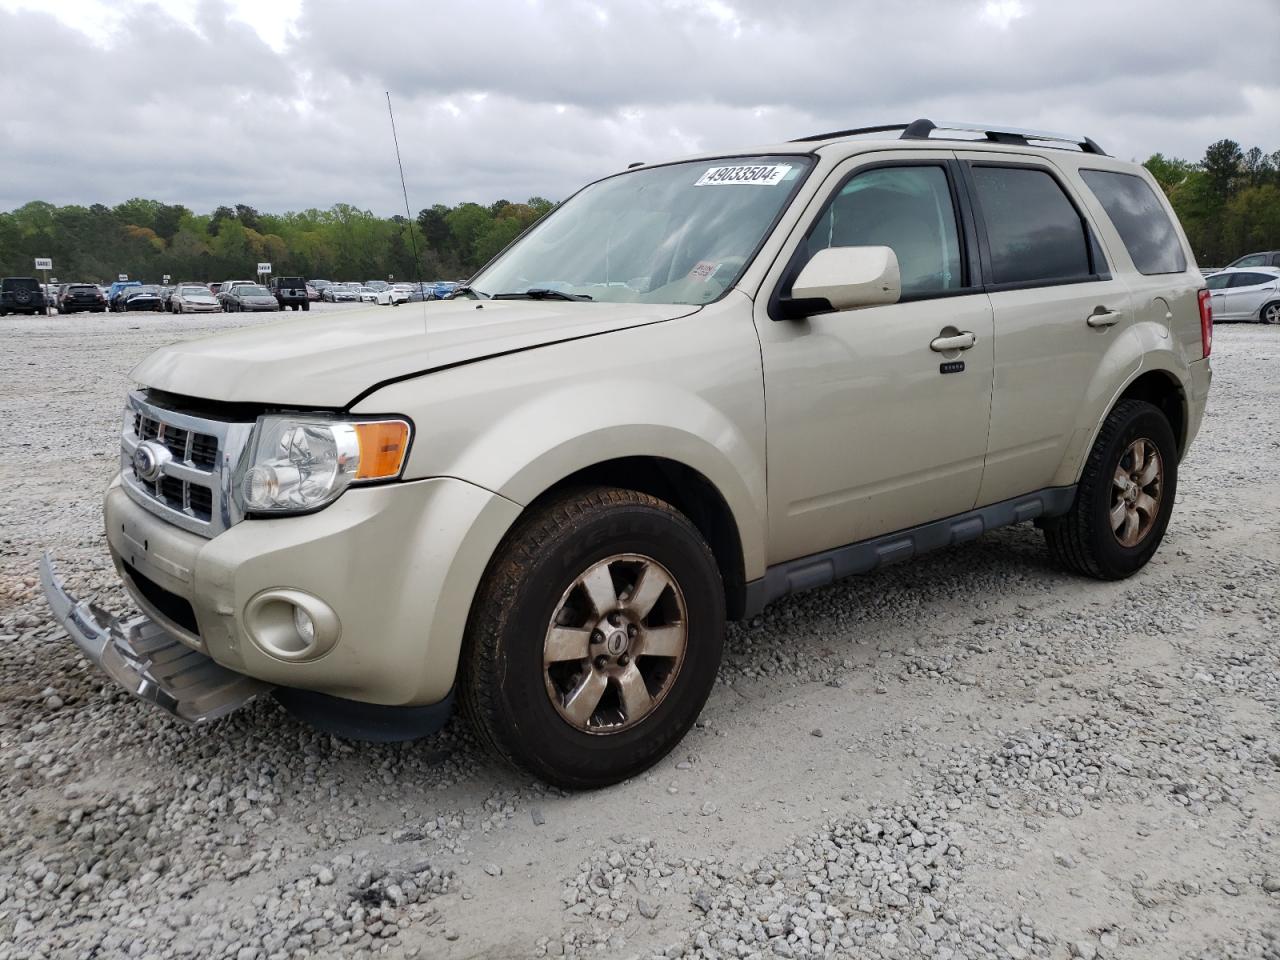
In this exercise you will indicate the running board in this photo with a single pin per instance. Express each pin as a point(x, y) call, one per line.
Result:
point(820, 569)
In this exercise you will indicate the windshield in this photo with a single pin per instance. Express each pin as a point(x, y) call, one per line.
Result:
point(251, 291)
point(681, 233)
point(194, 292)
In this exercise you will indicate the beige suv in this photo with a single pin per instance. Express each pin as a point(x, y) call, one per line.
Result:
point(693, 388)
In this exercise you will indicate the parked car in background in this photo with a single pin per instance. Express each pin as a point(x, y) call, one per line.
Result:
point(444, 289)
point(398, 293)
point(142, 298)
point(21, 295)
point(50, 291)
point(166, 295)
point(214, 288)
point(1265, 258)
point(290, 292)
point(341, 293)
point(367, 295)
point(113, 291)
point(193, 298)
point(247, 297)
point(319, 285)
point(75, 297)
point(1249, 295)
point(376, 285)
point(312, 294)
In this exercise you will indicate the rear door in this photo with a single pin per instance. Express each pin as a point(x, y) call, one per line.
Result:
point(1056, 308)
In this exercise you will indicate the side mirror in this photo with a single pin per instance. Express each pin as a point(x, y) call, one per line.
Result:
point(843, 278)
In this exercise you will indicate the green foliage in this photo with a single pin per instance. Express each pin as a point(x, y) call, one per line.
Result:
point(146, 239)
point(1228, 203)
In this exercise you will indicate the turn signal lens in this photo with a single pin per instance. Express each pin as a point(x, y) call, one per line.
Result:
point(383, 445)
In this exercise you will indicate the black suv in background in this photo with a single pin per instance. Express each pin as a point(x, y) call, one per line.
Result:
point(80, 296)
point(291, 292)
point(21, 295)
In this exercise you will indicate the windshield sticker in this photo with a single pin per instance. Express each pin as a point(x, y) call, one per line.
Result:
point(759, 174)
point(703, 270)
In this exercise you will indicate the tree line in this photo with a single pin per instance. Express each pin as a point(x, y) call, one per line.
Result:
point(1228, 202)
point(147, 239)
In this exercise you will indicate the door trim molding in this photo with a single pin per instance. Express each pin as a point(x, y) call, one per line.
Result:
point(819, 569)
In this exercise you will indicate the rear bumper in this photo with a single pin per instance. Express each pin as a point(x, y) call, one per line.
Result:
point(1201, 379)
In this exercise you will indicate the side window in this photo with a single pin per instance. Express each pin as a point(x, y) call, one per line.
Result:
point(906, 208)
point(1140, 219)
point(1034, 232)
point(1254, 260)
point(1218, 281)
point(1250, 279)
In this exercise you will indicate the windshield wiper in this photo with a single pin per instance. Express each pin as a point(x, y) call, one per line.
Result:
point(540, 293)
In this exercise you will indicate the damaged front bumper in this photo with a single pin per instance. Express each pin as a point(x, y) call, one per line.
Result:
point(147, 661)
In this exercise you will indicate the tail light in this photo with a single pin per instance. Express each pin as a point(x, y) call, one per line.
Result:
point(1206, 321)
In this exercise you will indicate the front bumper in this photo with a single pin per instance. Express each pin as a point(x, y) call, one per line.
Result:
point(397, 563)
point(147, 661)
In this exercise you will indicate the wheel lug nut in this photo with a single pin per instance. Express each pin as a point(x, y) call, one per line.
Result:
point(632, 630)
point(623, 660)
point(615, 619)
point(601, 662)
point(597, 636)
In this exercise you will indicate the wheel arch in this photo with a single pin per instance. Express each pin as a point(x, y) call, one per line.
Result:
point(686, 489)
point(1161, 389)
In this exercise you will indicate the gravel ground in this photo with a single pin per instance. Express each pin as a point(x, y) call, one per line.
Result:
point(971, 756)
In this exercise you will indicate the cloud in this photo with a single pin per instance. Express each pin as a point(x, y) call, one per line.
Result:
point(199, 103)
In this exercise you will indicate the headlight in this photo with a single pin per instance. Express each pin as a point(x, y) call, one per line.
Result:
point(300, 463)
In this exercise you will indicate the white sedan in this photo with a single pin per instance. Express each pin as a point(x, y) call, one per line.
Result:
point(368, 295)
point(1251, 294)
point(396, 293)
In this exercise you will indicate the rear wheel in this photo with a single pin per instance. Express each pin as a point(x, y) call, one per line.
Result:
point(1124, 498)
point(1270, 313)
point(595, 637)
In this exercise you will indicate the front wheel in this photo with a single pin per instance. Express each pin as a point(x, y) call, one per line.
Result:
point(594, 638)
point(1124, 498)
point(1270, 313)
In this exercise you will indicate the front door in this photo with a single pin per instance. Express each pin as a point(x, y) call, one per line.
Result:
point(870, 429)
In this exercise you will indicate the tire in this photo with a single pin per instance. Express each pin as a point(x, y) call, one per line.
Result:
point(1270, 313)
point(1084, 539)
point(306, 306)
point(535, 575)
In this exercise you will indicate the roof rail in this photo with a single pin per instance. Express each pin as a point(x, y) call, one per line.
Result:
point(922, 129)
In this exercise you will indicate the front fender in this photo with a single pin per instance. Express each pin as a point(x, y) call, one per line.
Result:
point(688, 390)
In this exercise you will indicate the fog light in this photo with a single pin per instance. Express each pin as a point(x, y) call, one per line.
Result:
point(305, 626)
point(291, 625)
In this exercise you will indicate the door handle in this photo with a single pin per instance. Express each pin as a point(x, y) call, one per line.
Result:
point(1106, 318)
point(960, 341)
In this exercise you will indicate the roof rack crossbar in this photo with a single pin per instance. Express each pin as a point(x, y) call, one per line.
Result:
point(922, 129)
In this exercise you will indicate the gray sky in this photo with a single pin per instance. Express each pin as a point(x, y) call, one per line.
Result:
point(281, 104)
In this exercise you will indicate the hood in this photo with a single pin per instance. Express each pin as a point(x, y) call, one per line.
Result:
point(327, 361)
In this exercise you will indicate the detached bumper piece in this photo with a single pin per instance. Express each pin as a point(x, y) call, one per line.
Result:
point(147, 661)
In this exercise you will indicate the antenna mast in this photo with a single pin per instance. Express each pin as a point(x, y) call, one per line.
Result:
point(413, 239)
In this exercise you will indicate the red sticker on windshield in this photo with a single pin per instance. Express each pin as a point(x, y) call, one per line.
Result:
point(703, 270)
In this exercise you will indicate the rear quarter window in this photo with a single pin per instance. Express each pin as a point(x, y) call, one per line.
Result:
point(1140, 219)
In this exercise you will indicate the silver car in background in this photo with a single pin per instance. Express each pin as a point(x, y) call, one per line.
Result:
point(1245, 294)
point(194, 298)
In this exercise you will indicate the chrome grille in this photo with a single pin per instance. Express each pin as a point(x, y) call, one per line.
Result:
point(194, 488)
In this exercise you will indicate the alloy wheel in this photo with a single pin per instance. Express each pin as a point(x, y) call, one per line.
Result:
point(1136, 491)
point(615, 644)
